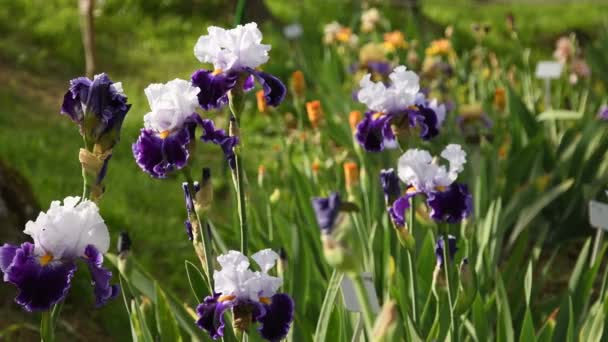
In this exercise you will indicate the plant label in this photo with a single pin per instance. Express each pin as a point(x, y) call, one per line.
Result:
point(350, 296)
point(548, 70)
point(598, 215)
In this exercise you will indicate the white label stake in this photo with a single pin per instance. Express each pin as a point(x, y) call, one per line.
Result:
point(350, 297)
point(598, 216)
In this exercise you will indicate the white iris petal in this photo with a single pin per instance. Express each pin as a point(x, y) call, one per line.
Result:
point(171, 104)
point(402, 93)
point(240, 47)
point(65, 230)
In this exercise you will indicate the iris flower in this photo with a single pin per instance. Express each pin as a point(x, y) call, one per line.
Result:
point(98, 106)
point(251, 295)
point(400, 105)
point(43, 270)
point(448, 200)
point(233, 53)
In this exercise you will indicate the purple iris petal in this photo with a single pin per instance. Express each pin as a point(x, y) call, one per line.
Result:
point(98, 97)
point(188, 227)
point(399, 208)
point(249, 83)
point(40, 287)
point(390, 184)
point(379, 67)
point(7, 254)
point(274, 89)
point(452, 205)
point(326, 210)
point(373, 134)
point(100, 277)
point(219, 137)
point(211, 315)
point(214, 88)
point(452, 249)
point(426, 119)
point(210, 133)
point(158, 156)
point(602, 114)
point(75, 99)
point(277, 320)
point(104, 170)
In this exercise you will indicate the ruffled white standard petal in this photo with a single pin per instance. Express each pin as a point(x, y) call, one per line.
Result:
point(456, 156)
point(171, 104)
point(236, 279)
point(266, 259)
point(401, 94)
point(65, 230)
point(234, 49)
point(418, 168)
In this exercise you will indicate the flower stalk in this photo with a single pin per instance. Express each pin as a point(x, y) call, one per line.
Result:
point(236, 102)
point(446, 268)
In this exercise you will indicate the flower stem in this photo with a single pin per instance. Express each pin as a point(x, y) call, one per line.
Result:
point(366, 308)
point(236, 103)
point(202, 245)
point(47, 328)
point(410, 260)
point(446, 268)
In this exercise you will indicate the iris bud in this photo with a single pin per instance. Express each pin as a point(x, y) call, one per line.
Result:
point(384, 328)
point(204, 196)
point(467, 289)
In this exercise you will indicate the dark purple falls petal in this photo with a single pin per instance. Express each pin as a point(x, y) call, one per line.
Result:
point(158, 156)
point(211, 316)
point(373, 133)
point(452, 205)
point(399, 208)
point(276, 322)
point(390, 185)
point(40, 287)
point(100, 277)
point(274, 89)
point(214, 88)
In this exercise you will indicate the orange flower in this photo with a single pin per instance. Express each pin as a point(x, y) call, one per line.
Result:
point(298, 84)
point(351, 174)
point(262, 106)
point(500, 99)
point(394, 40)
point(315, 112)
point(316, 166)
point(353, 119)
point(344, 34)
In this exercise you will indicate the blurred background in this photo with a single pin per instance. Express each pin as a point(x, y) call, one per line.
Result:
point(139, 42)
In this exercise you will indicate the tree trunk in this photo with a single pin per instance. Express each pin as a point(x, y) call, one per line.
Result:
point(87, 29)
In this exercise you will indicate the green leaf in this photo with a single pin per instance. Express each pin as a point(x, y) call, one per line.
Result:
point(528, 284)
point(527, 328)
point(505, 322)
point(554, 114)
point(529, 213)
point(138, 278)
point(196, 279)
point(328, 306)
point(165, 320)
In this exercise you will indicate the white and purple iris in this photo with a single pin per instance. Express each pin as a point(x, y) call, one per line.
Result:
point(43, 271)
point(326, 211)
point(163, 143)
point(169, 129)
point(253, 293)
point(399, 104)
point(234, 53)
point(448, 200)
